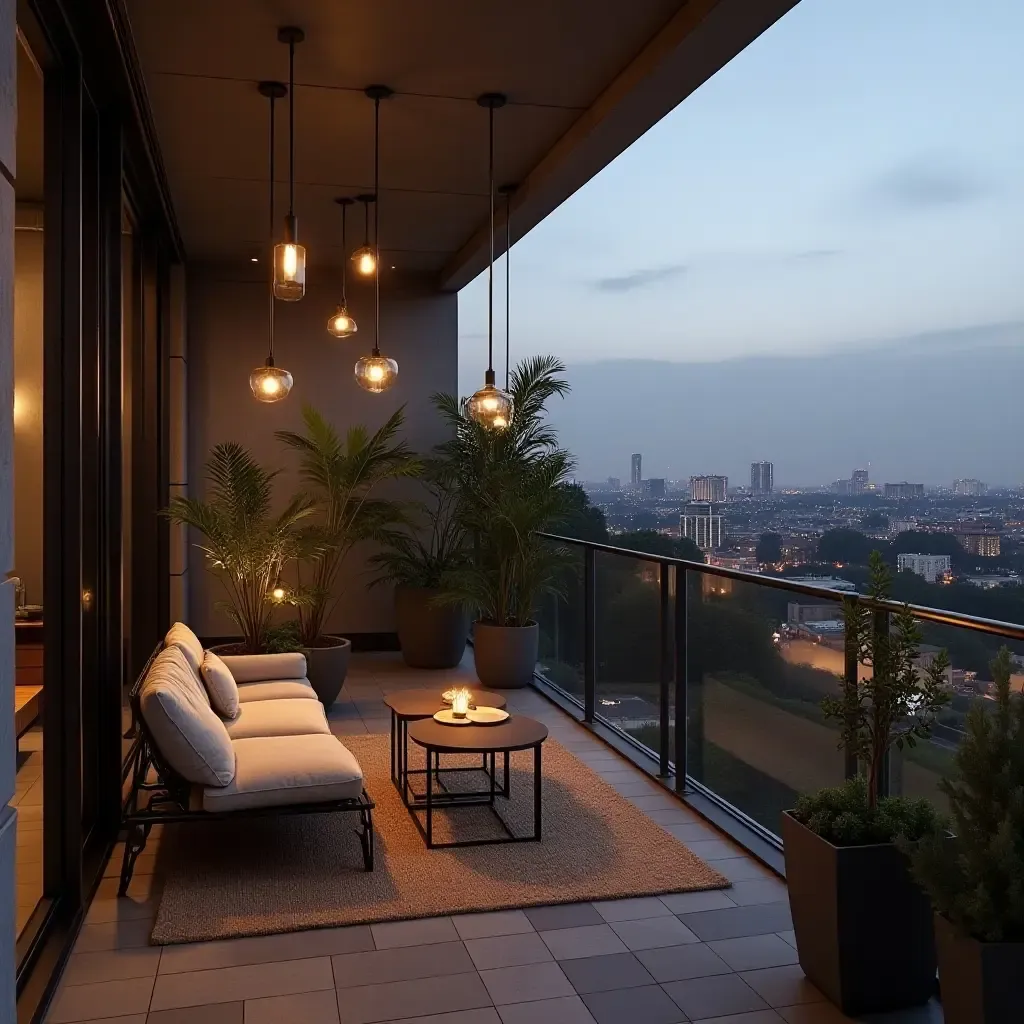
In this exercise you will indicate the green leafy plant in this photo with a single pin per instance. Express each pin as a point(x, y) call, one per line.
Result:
point(340, 474)
point(842, 815)
point(245, 545)
point(976, 877)
point(897, 703)
point(510, 488)
point(431, 544)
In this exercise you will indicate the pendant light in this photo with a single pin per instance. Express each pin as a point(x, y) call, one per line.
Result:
point(508, 191)
point(341, 324)
point(490, 406)
point(289, 256)
point(376, 373)
point(270, 383)
point(364, 259)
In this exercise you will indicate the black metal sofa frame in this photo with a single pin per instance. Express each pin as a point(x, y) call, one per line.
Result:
point(169, 796)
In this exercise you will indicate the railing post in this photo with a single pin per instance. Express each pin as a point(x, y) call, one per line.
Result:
point(589, 633)
point(680, 678)
point(664, 668)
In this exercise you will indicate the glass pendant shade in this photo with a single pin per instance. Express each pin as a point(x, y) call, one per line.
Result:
point(491, 407)
point(289, 271)
point(341, 324)
point(270, 383)
point(376, 373)
point(364, 260)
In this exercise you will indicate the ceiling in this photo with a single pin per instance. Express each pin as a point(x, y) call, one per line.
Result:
point(584, 78)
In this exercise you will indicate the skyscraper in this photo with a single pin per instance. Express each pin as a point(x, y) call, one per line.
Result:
point(859, 481)
point(635, 475)
point(762, 478)
point(968, 488)
point(708, 488)
point(701, 522)
point(655, 487)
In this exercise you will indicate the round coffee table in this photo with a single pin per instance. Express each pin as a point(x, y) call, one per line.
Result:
point(516, 733)
point(411, 706)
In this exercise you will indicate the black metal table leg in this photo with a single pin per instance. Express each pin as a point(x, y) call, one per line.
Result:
point(430, 805)
point(537, 789)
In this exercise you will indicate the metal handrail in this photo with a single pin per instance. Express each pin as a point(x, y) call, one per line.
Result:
point(1009, 630)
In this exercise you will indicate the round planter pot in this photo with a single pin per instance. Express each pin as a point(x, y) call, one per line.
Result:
point(229, 650)
point(505, 656)
point(431, 635)
point(327, 666)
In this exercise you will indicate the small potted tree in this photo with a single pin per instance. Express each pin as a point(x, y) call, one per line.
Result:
point(975, 878)
point(418, 559)
point(340, 475)
point(245, 544)
point(863, 928)
point(510, 488)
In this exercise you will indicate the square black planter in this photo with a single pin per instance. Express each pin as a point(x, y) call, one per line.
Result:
point(864, 931)
point(982, 982)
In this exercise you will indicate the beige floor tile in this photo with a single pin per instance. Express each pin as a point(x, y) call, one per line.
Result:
point(403, 963)
point(567, 1010)
point(392, 934)
point(303, 1008)
point(254, 981)
point(112, 965)
point(212, 1013)
point(106, 999)
point(400, 1000)
point(508, 951)
point(501, 922)
point(204, 956)
point(525, 983)
point(113, 935)
point(632, 909)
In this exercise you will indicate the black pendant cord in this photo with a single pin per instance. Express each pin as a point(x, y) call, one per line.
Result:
point(376, 224)
point(366, 223)
point(344, 256)
point(490, 251)
point(291, 131)
point(273, 100)
point(508, 277)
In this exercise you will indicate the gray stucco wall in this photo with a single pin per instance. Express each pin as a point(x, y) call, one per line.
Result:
point(227, 337)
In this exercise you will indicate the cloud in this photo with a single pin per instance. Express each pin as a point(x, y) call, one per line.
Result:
point(926, 182)
point(639, 278)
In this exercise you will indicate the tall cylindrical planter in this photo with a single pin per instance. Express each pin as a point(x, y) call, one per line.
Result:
point(327, 666)
point(431, 635)
point(505, 656)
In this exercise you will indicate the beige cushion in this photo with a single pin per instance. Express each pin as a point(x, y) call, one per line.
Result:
point(256, 668)
point(180, 636)
point(276, 689)
point(296, 717)
point(272, 771)
point(189, 735)
point(220, 685)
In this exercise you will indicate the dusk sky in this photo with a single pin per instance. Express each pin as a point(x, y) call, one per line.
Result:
point(855, 175)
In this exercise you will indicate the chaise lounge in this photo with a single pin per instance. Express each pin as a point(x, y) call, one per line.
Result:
point(232, 737)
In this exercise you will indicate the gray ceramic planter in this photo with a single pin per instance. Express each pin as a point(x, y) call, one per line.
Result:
point(506, 656)
point(327, 666)
point(431, 635)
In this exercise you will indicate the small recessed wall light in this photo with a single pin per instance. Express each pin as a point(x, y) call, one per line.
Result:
point(254, 259)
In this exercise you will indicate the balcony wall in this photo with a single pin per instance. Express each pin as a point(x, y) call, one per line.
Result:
point(227, 324)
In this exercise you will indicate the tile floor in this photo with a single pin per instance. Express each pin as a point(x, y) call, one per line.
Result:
point(28, 798)
point(723, 957)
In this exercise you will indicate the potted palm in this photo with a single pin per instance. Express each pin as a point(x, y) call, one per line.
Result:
point(245, 545)
point(509, 485)
point(975, 878)
point(863, 928)
point(418, 559)
point(340, 475)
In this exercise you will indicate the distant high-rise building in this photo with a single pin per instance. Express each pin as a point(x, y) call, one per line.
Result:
point(904, 491)
point(930, 567)
point(614, 483)
point(978, 542)
point(702, 523)
point(859, 481)
point(708, 488)
point(635, 474)
point(655, 487)
point(762, 478)
point(968, 488)
point(842, 487)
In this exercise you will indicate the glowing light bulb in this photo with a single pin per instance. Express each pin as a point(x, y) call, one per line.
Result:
point(341, 324)
point(289, 271)
point(278, 594)
point(365, 260)
point(376, 373)
point(490, 407)
point(270, 383)
point(291, 261)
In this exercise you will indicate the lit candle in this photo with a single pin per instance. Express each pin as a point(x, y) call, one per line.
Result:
point(460, 703)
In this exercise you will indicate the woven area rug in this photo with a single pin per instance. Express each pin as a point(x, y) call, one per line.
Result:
point(231, 879)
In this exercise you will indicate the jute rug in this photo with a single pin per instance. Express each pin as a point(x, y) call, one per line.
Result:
point(231, 879)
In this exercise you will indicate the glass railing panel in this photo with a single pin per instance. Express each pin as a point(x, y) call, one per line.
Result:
point(628, 598)
point(759, 662)
point(560, 616)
